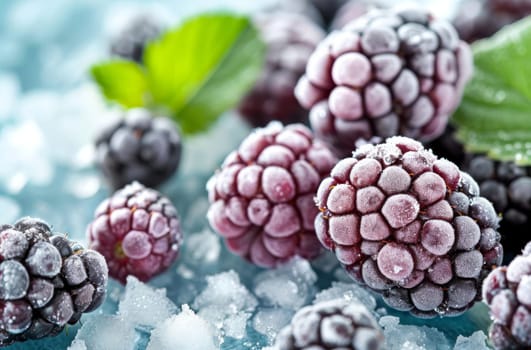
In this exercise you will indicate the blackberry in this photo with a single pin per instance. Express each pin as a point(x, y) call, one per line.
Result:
point(409, 226)
point(334, 324)
point(290, 39)
point(133, 38)
point(262, 197)
point(505, 184)
point(139, 147)
point(386, 73)
point(507, 292)
point(137, 231)
point(46, 281)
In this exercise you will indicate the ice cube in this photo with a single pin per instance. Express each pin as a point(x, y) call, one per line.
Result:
point(408, 337)
point(269, 321)
point(185, 331)
point(349, 292)
point(105, 332)
point(143, 305)
point(9, 210)
point(226, 304)
point(77, 344)
point(475, 342)
point(202, 248)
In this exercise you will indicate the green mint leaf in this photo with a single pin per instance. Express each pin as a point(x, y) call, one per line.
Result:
point(495, 114)
point(203, 68)
point(121, 81)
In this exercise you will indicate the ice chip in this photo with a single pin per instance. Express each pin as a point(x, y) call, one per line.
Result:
point(349, 292)
point(77, 345)
point(185, 331)
point(203, 247)
point(269, 321)
point(477, 341)
point(408, 337)
point(143, 305)
point(104, 332)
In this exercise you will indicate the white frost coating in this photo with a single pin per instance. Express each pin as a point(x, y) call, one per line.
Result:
point(104, 332)
point(226, 304)
point(477, 341)
point(289, 286)
point(143, 305)
point(406, 337)
point(185, 331)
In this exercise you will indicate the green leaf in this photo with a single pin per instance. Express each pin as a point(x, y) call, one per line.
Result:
point(121, 81)
point(204, 67)
point(495, 114)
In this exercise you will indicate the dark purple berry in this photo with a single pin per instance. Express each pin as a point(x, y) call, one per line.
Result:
point(393, 212)
point(334, 324)
point(138, 148)
point(137, 231)
point(386, 73)
point(262, 197)
point(40, 275)
point(134, 37)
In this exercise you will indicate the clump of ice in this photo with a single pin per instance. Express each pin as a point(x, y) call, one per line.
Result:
point(185, 331)
point(226, 304)
point(477, 341)
point(143, 305)
point(407, 337)
point(349, 292)
point(77, 344)
point(289, 286)
point(202, 248)
point(105, 332)
point(269, 321)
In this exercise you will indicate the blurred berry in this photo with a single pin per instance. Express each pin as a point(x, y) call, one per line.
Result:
point(132, 40)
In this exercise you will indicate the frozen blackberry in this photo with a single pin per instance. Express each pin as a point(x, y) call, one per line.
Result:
point(335, 324)
point(409, 226)
point(137, 231)
point(507, 292)
point(133, 38)
point(290, 39)
point(262, 197)
point(46, 281)
point(139, 147)
point(386, 73)
point(505, 184)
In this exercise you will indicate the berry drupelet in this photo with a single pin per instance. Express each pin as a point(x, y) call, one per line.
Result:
point(507, 292)
point(139, 147)
point(331, 325)
point(409, 226)
point(386, 73)
point(290, 39)
point(46, 281)
point(262, 197)
point(137, 231)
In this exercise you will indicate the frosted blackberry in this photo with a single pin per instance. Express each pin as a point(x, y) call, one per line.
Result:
point(46, 281)
point(334, 324)
point(139, 148)
point(262, 197)
point(133, 38)
point(290, 39)
point(505, 184)
point(137, 231)
point(507, 292)
point(389, 72)
point(410, 226)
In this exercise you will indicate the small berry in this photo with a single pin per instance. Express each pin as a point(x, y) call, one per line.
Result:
point(137, 231)
point(139, 148)
point(133, 38)
point(386, 73)
point(334, 324)
point(507, 292)
point(389, 214)
point(39, 284)
point(290, 39)
point(262, 197)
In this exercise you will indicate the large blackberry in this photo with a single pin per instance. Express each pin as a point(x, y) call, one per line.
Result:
point(133, 38)
point(409, 226)
point(386, 73)
point(139, 147)
point(290, 39)
point(262, 198)
point(505, 184)
point(334, 324)
point(137, 231)
point(46, 281)
point(507, 291)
